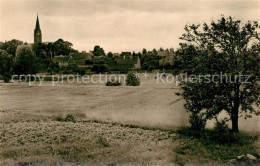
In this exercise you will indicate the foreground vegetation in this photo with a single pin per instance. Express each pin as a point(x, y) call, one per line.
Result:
point(211, 146)
point(64, 141)
point(69, 139)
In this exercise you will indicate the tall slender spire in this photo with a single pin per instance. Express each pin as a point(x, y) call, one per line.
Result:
point(37, 32)
point(37, 27)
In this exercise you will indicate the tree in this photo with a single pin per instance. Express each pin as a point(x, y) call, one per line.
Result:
point(6, 65)
point(225, 47)
point(61, 47)
point(39, 50)
point(11, 46)
point(25, 61)
point(98, 51)
point(144, 51)
point(155, 52)
point(161, 49)
point(110, 55)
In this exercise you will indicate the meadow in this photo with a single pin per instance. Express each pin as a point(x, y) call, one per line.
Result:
point(112, 125)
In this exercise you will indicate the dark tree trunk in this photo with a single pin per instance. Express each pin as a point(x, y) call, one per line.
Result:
point(234, 116)
point(235, 121)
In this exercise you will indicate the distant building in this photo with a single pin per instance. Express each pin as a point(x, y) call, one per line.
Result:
point(37, 32)
point(167, 57)
point(74, 58)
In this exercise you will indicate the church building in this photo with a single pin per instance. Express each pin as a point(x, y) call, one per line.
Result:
point(37, 32)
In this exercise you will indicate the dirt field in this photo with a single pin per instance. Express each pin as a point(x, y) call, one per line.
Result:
point(31, 133)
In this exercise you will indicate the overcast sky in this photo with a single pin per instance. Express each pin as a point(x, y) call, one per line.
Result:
point(115, 25)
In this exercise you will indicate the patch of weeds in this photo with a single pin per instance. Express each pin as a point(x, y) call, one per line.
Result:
point(59, 118)
point(68, 118)
point(20, 141)
point(63, 138)
point(90, 156)
point(9, 154)
point(102, 141)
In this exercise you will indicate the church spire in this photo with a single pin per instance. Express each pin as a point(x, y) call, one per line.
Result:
point(37, 27)
point(37, 32)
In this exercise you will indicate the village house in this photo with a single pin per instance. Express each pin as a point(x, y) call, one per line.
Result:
point(167, 57)
point(74, 58)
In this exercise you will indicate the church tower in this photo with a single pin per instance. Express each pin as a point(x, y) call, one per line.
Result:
point(37, 32)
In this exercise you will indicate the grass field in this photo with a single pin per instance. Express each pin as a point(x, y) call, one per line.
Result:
point(114, 125)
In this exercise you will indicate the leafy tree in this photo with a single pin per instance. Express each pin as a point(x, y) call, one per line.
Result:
point(6, 65)
point(161, 49)
point(229, 47)
point(50, 50)
point(39, 50)
point(155, 52)
point(11, 46)
point(98, 51)
point(144, 51)
point(25, 61)
point(61, 47)
point(110, 55)
point(172, 49)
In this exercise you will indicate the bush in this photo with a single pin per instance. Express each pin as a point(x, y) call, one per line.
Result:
point(197, 121)
point(132, 80)
point(68, 118)
point(113, 83)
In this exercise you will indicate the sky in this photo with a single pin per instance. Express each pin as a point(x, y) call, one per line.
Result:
point(116, 25)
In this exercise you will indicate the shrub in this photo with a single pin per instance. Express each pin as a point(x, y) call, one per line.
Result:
point(197, 121)
point(102, 141)
point(132, 80)
point(113, 83)
point(59, 118)
point(68, 118)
